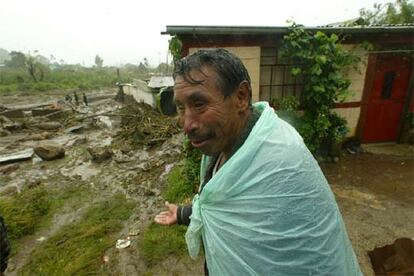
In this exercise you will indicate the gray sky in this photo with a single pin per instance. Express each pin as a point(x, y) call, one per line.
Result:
point(122, 31)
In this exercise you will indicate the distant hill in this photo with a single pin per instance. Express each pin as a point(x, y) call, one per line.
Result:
point(4, 55)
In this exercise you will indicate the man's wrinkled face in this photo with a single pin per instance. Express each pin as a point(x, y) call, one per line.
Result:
point(211, 121)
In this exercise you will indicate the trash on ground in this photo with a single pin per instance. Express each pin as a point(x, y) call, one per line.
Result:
point(123, 243)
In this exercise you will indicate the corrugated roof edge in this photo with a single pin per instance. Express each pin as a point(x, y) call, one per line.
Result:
point(251, 30)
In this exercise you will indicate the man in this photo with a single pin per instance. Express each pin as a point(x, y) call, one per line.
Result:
point(264, 206)
point(4, 246)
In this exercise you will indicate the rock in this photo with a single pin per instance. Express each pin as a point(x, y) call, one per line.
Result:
point(9, 191)
point(50, 125)
point(49, 151)
point(100, 154)
point(9, 168)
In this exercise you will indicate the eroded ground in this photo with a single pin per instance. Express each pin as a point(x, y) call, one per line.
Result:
point(374, 191)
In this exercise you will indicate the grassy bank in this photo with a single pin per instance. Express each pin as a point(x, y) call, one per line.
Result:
point(77, 249)
point(33, 209)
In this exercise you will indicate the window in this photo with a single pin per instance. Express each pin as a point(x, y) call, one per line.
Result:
point(387, 86)
point(276, 80)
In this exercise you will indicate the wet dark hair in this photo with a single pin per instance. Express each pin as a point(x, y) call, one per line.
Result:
point(228, 67)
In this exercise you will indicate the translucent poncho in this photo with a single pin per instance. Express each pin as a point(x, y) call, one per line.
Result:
point(269, 210)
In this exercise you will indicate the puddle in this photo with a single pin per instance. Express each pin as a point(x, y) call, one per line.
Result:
point(394, 259)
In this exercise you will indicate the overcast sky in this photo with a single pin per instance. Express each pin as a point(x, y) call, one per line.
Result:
point(126, 31)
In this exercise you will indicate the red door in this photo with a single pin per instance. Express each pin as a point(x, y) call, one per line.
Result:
point(386, 101)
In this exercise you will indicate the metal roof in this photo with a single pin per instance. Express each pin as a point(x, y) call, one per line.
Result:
point(161, 81)
point(255, 30)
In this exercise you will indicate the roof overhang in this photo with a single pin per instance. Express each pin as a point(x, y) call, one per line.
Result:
point(272, 30)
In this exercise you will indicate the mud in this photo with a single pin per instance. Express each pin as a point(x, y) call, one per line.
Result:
point(375, 194)
point(374, 191)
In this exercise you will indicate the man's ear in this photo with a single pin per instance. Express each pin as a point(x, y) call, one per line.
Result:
point(243, 95)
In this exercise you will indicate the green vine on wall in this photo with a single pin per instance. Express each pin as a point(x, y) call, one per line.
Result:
point(174, 46)
point(322, 62)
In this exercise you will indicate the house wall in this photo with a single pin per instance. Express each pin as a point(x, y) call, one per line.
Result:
point(356, 75)
point(140, 92)
point(351, 114)
point(351, 108)
point(250, 56)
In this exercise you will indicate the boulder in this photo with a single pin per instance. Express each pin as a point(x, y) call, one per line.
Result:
point(49, 151)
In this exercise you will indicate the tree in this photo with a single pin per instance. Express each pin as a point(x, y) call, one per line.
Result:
point(36, 65)
point(400, 12)
point(98, 61)
point(17, 60)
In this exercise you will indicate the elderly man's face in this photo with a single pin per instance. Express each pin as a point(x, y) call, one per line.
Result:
point(211, 122)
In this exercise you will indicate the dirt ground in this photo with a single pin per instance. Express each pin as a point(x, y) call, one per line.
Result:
point(375, 191)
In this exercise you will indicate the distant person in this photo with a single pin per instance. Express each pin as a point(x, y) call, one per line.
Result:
point(264, 206)
point(4, 247)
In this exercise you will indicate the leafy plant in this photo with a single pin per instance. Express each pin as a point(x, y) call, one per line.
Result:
point(174, 46)
point(322, 62)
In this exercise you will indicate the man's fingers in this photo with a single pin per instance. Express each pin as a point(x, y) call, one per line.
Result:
point(165, 213)
point(161, 220)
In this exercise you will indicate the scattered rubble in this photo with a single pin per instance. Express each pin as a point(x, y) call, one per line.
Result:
point(100, 154)
point(9, 168)
point(17, 156)
point(49, 151)
point(50, 125)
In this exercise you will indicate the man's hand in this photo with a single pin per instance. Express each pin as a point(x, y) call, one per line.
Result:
point(167, 217)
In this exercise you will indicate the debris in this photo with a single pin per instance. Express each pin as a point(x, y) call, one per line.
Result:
point(45, 111)
point(14, 113)
point(85, 99)
point(50, 151)
point(50, 125)
point(9, 168)
point(143, 126)
point(13, 126)
point(17, 156)
point(9, 191)
point(36, 159)
point(34, 183)
point(168, 168)
point(37, 137)
point(105, 259)
point(123, 243)
point(75, 129)
point(4, 132)
point(40, 239)
point(394, 259)
point(100, 154)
